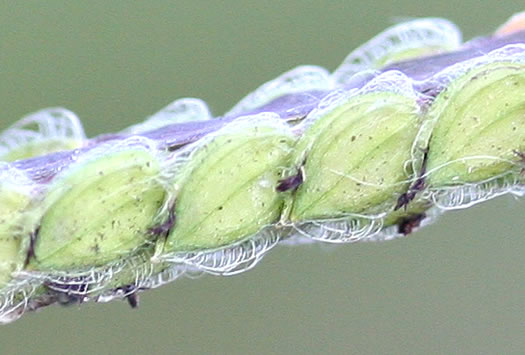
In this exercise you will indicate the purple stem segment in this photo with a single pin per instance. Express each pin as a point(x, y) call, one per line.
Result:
point(291, 106)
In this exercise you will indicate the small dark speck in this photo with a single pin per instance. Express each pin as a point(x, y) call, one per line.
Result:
point(408, 224)
point(290, 183)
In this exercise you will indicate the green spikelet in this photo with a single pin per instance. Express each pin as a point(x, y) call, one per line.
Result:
point(229, 189)
point(480, 125)
point(355, 157)
point(15, 229)
point(99, 211)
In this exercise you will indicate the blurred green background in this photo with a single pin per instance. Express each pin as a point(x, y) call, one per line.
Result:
point(457, 286)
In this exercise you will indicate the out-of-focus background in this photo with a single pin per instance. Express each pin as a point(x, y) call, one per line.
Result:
point(457, 286)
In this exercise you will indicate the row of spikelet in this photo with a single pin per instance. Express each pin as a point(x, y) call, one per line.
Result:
point(372, 160)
